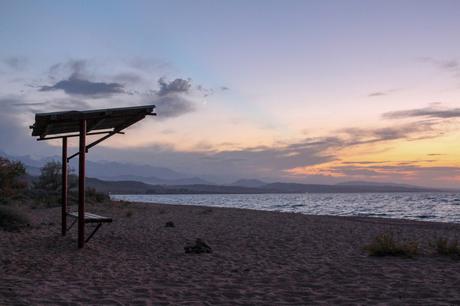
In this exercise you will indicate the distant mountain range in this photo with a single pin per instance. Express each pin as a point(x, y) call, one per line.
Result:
point(134, 187)
point(119, 178)
point(251, 183)
point(115, 171)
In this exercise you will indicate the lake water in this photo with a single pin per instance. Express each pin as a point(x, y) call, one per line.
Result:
point(442, 207)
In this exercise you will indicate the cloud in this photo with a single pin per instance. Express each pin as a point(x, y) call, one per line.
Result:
point(128, 77)
point(406, 171)
point(19, 105)
point(427, 112)
point(210, 91)
point(173, 106)
point(76, 86)
point(415, 130)
point(383, 92)
point(15, 118)
point(173, 98)
point(377, 94)
point(16, 62)
point(449, 65)
point(178, 86)
point(150, 64)
point(78, 83)
point(321, 156)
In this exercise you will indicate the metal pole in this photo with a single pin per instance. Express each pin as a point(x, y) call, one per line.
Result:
point(64, 186)
point(81, 185)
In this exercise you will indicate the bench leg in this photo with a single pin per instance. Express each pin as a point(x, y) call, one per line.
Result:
point(94, 232)
point(72, 224)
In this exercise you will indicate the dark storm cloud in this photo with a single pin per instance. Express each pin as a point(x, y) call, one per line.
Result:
point(178, 86)
point(428, 112)
point(82, 87)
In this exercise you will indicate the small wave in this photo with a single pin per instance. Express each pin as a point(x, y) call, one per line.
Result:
point(425, 216)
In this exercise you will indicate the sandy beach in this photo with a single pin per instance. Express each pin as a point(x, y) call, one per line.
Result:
point(258, 258)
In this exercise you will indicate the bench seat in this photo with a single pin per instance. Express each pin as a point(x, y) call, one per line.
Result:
point(91, 218)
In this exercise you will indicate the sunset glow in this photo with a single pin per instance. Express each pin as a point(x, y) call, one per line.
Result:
point(307, 92)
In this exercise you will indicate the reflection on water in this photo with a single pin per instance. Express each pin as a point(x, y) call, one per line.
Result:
point(443, 207)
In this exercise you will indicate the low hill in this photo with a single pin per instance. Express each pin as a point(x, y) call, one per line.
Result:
point(134, 187)
point(252, 183)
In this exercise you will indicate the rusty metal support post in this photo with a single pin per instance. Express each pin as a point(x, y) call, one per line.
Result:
point(64, 187)
point(81, 185)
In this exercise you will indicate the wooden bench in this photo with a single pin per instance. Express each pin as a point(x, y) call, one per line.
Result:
point(90, 218)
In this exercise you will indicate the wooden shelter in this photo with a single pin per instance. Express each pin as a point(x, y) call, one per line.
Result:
point(63, 125)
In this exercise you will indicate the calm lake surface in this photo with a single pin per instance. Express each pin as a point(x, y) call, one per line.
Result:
point(442, 207)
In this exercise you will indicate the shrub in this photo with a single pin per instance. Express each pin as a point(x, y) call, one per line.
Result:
point(11, 178)
point(93, 194)
point(11, 219)
point(50, 178)
point(443, 246)
point(385, 245)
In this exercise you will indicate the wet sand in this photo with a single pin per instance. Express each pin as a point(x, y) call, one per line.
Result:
point(258, 257)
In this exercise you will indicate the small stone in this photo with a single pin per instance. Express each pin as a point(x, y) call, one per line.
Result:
point(198, 248)
point(170, 224)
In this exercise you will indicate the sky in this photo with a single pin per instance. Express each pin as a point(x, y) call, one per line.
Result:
point(296, 91)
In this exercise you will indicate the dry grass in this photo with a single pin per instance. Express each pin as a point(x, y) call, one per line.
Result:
point(386, 245)
point(444, 247)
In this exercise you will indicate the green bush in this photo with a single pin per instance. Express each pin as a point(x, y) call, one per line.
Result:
point(386, 245)
point(444, 247)
point(11, 219)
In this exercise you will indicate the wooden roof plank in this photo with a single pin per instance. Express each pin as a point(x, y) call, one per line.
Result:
point(68, 122)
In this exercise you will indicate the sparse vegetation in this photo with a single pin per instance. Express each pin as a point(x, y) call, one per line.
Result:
point(12, 179)
point(50, 177)
point(92, 194)
point(47, 188)
point(444, 247)
point(386, 245)
point(11, 219)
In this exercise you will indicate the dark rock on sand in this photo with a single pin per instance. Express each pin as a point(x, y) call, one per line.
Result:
point(169, 224)
point(199, 247)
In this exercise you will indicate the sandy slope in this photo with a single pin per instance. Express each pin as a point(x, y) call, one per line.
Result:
point(259, 258)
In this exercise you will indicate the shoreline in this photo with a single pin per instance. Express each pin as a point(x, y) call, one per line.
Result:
point(423, 216)
point(259, 257)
